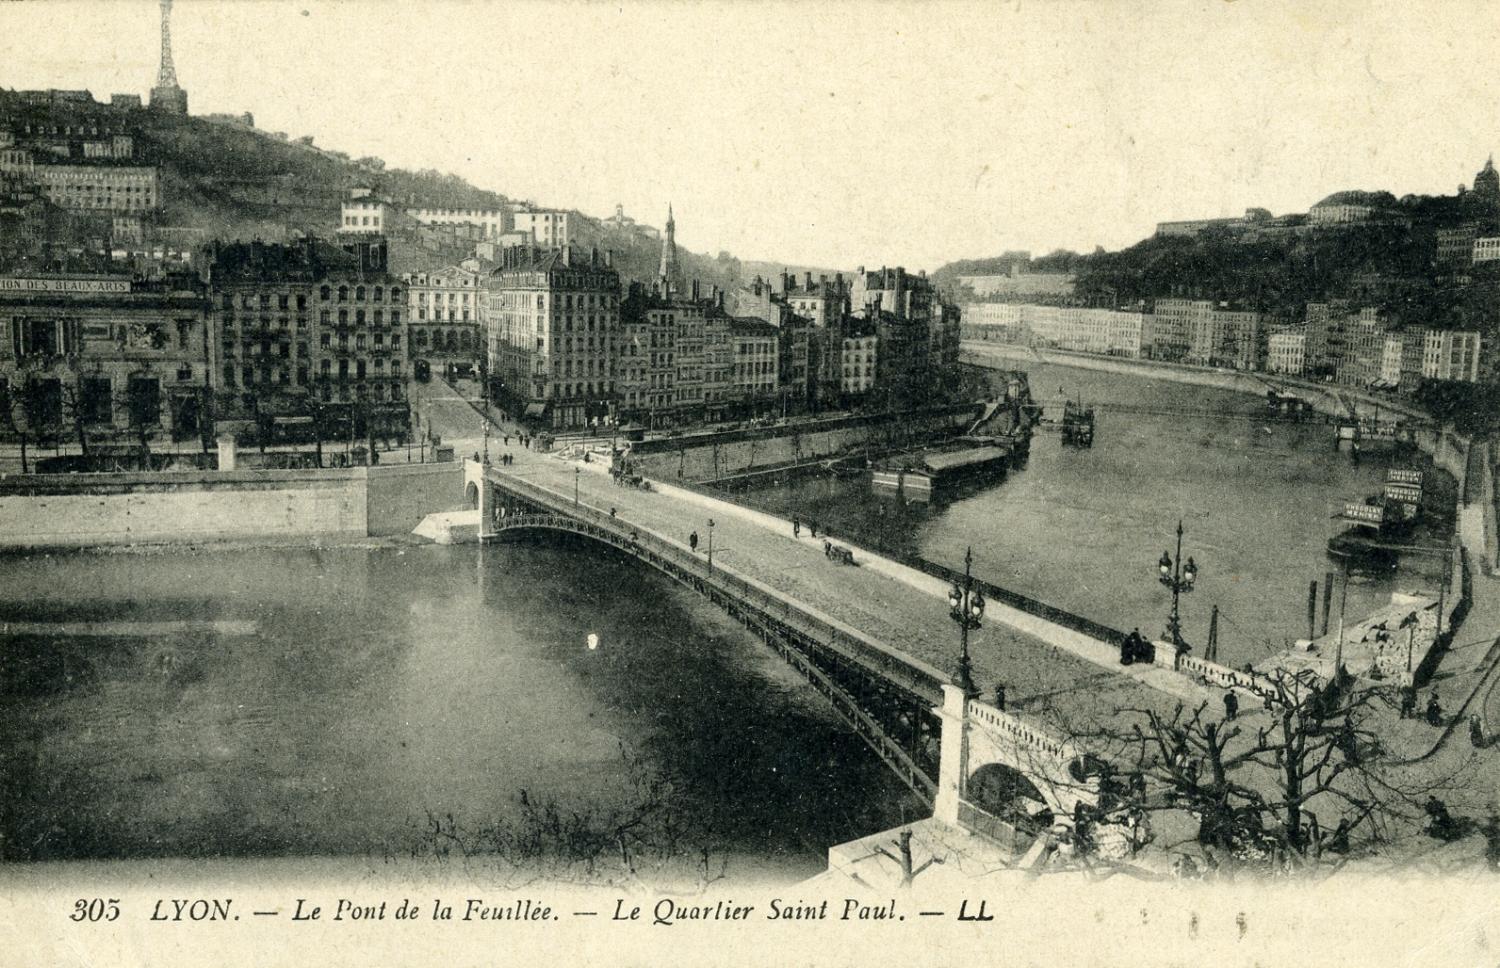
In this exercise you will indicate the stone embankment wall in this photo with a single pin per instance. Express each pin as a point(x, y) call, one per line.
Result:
point(712, 456)
point(1325, 398)
point(82, 510)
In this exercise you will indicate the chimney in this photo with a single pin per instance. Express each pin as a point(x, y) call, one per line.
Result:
point(838, 279)
point(593, 255)
point(695, 290)
point(808, 280)
point(567, 254)
point(822, 280)
point(719, 297)
point(609, 258)
point(786, 281)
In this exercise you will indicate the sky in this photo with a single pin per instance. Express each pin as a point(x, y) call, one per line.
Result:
point(836, 134)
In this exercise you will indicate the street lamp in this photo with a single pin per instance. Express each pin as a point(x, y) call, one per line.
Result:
point(486, 426)
point(1179, 576)
point(576, 472)
point(710, 544)
point(966, 607)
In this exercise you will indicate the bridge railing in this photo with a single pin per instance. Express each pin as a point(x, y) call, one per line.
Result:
point(1016, 600)
point(1021, 732)
point(921, 678)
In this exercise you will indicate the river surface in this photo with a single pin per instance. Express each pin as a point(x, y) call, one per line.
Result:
point(1082, 529)
point(353, 694)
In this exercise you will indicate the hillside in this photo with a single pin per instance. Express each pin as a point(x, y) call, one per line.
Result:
point(230, 181)
point(1392, 266)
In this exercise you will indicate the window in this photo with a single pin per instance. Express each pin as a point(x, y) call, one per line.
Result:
point(379, 293)
point(301, 301)
point(323, 293)
point(359, 294)
point(343, 293)
point(324, 341)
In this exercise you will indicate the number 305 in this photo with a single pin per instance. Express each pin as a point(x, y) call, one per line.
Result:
point(95, 909)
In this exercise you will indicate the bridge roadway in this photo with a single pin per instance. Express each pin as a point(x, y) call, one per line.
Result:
point(1041, 681)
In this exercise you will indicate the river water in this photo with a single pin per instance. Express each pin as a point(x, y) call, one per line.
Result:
point(1082, 529)
point(355, 694)
point(352, 694)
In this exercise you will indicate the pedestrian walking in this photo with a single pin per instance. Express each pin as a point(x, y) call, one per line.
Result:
point(1000, 696)
point(1231, 705)
point(1434, 710)
point(693, 541)
point(1408, 701)
point(813, 524)
point(611, 512)
point(796, 527)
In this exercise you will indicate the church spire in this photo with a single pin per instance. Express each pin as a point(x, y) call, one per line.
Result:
point(668, 271)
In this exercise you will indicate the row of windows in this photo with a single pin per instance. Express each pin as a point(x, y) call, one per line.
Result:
point(286, 376)
point(438, 317)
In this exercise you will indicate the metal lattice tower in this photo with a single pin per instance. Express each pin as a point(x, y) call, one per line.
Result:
point(166, 77)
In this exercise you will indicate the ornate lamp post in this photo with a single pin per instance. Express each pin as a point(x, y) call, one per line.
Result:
point(710, 544)
point(1178, 576)
point(486, 429)
point(576, 472)
point(966, 607)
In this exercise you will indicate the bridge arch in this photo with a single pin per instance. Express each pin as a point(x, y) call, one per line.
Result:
point(888, 699)
point(1003, 791)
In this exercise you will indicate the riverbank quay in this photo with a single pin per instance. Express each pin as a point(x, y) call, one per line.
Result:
point(1325, 398)
point(193, 507)
point(1468, 672)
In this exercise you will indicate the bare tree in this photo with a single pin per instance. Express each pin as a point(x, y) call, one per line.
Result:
point(1267, 785)
point(903, 857)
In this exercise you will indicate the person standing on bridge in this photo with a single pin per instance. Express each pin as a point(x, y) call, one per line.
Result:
point(693, 542)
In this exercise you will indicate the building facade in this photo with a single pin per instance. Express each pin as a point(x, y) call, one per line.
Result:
point(311, 329)
point(858, 362)
point(100, 187)
point(105, 357)
point(546, 229)
point(443, 310)
point(1286, 351)
point(491, 222)
point(551, 333)
point(365, 213)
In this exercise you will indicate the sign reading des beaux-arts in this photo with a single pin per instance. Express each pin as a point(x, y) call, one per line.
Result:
point(12, 284)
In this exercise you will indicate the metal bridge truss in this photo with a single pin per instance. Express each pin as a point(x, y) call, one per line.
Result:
point(888, 699)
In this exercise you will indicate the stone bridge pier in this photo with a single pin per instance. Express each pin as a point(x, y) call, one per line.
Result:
point(1003, 777)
